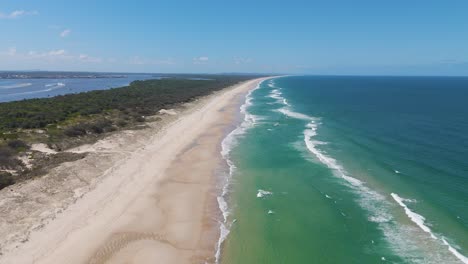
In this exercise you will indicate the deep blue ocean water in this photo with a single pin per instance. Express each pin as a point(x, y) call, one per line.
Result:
point(332, 169)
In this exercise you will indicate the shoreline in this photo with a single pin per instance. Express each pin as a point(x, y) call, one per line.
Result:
point(140, 212)
point(244, 123)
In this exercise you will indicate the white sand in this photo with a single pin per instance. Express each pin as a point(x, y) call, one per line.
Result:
point(43, 148)
point(156, 205)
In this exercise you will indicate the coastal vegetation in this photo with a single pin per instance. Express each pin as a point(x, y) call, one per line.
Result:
point(69, 120)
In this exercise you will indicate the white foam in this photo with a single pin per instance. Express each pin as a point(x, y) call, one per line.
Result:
point(49, 88)
point(277, 95)
point(288, 112)
point(59, 84)
point(331, 163)
point(419, 220)
point(13, 86)
point(416, 218)
point(455, 252)
point(374, 203)
point(271, 83)
point(262, 193)
point(379, 219)
point(271, 212)
point(226, 146)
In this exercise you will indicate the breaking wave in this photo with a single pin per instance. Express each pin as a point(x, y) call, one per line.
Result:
point(227, 145)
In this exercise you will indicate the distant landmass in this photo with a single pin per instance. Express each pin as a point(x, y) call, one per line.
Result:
point(57, 75)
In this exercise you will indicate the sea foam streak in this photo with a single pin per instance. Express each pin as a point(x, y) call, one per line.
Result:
point(262, 193)
point(226, 146)
point(59, 84)
point(13, 86)
point(276, 94)
point(286, 110)
point(419, 220)
point(50, 87)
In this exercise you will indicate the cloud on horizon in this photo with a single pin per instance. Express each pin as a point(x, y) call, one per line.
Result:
point(87, 58)
point(17, 14)
point(201, 60)
point(136, 60)
point(47, 56)
point(240, 60)
point(65, 33)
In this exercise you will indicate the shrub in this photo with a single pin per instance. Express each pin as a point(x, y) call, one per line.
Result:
point(6, 179)
point(81, 129)
point(96, 129)
point(139, 119)
point(75, 131)
point(18, 145)
point(121, 123)
point(6, 152)
point(100, 126)
point(7, 158)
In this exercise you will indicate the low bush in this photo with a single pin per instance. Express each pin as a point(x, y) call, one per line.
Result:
point(8, 159)
point(97, 127)
point(121, 123)
point(6, 179)
point(75, 131)
point(18, 145)
point(139, 119)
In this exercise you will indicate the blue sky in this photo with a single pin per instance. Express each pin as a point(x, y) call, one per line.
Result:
point(314, 37)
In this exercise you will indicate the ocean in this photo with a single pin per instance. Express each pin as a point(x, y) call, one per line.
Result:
point(338, 169)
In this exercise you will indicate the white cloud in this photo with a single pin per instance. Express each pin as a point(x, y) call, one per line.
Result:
point(201, 60)
point(57, 55)
point(136, 60)
point(17, 14)
point(10, 52)
point(57, 52)
point(65, 33)
point(238, 60)
point(87, 58)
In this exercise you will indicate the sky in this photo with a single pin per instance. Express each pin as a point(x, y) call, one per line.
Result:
point(359, 37)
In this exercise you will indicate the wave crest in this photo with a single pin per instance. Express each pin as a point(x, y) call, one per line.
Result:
point(419, 220)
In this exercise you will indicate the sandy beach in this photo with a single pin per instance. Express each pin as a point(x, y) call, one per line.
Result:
point(146, 196)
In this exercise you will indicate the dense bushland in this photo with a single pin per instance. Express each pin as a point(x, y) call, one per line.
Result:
point(139, 99)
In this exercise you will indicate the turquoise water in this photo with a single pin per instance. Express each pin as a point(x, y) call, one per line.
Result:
point(349, 170)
